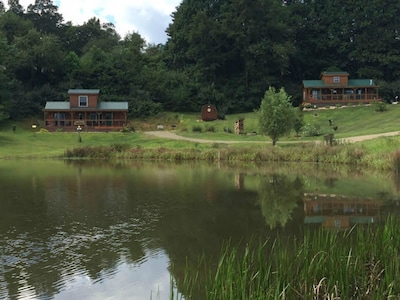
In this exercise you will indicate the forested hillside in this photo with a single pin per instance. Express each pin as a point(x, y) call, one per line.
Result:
point(224, 52)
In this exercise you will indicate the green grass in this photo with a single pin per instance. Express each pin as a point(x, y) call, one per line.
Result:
point(362, 263)
point(353, 121)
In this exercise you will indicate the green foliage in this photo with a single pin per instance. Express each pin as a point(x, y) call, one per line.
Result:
point(276, 114)
point(380, 106)
point(197, 128)
point(298, 122)
point(278, 197)
point(311, 130)
point(3, 114)
point(143, 108)
point(224, 53)
point(361, 263)
point(210, 128)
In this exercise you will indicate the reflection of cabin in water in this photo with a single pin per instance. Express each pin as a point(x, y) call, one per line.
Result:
point(337, 211)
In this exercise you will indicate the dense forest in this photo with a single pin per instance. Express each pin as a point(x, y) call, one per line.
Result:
point(223, 52)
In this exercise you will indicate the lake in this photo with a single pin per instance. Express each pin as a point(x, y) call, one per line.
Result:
point(127, 230)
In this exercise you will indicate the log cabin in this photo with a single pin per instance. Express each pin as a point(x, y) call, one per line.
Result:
point(85, 109)
point(335, 88)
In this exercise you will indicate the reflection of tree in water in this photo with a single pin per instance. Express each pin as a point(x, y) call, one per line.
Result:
point(278, 196)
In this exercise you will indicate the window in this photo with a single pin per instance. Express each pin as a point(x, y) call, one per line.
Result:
point(83, 101)
point(336, 79)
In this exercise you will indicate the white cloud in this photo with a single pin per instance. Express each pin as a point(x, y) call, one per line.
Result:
point(150, 18)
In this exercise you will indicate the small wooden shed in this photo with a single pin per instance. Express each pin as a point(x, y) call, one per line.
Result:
point(239, 126)
point(209, 113)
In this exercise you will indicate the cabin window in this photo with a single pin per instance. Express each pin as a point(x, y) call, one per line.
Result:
point(336, 79)
point(83, 101)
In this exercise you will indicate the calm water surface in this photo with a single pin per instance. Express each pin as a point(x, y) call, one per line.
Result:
point(80, 230)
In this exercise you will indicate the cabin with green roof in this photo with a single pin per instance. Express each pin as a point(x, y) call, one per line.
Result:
point(336, 88)
point(85, 109)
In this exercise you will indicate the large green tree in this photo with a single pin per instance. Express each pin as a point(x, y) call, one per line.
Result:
point(359, 37)
point(276, 114)
point(231, 50)
point(44, 15)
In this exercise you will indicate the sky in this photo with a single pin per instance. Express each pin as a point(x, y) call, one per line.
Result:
point(150, 18)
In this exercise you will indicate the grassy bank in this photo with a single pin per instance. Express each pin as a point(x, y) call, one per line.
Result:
point(381, 153)
point(363, 263)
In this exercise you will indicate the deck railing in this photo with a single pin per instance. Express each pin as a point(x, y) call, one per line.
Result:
point(72, 124)
point(343, 98)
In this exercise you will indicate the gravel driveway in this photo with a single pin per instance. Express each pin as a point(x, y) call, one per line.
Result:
point(173, 136)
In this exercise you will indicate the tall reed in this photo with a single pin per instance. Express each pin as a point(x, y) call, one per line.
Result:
point(362, 263)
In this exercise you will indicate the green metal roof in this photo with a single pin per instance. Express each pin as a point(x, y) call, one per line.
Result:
point(83, 91)
point(113, 105)
point(56, 105)
point(106, 106)
point(361, 82)
point(352, 83)
point(313, 83)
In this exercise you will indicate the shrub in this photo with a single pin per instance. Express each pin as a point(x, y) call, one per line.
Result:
point(210, 128)
point(128, 129)
point(311, 130)
point(380, 106)
point(396, 162)
point(197, 128)
point(120, 147)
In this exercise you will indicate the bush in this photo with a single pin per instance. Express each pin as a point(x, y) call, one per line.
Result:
point(197, 128)
point(311, 130)
point(128, 129)
point(396, 162)
point(210, 128)
point(120, 147)
point(380, 106)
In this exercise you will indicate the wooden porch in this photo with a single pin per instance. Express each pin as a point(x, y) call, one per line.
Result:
point(322, 97)
point(88, 122)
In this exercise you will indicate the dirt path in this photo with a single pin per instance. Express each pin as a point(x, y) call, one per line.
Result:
point(173, 136)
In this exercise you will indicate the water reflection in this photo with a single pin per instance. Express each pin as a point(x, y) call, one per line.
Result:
point(100, 230)
point(278, 197)
point(340, 211)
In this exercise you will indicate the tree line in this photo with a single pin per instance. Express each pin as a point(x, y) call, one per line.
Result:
point(221, 52)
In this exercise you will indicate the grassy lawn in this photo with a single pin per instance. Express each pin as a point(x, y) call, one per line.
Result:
point(352, 121)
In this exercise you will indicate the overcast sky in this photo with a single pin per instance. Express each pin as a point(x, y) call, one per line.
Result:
point(150, 18)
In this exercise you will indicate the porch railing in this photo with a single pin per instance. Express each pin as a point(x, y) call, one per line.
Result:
point(343, 98)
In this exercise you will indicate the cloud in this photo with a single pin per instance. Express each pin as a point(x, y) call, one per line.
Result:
point(150, 18)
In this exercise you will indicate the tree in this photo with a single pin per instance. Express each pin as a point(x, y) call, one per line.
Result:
point(232, 50)
point(276, 114)
point(15, 7)
point(13, 26)
point(298, 121)
point(2, 8)
point(44, 15)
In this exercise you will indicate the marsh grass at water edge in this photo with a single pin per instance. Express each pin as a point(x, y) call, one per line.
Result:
point(361, 263)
